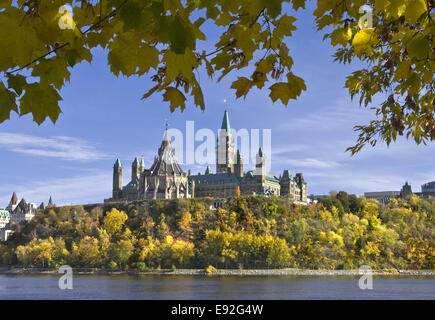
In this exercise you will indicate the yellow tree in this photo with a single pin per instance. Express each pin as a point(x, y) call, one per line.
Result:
point(114, 220)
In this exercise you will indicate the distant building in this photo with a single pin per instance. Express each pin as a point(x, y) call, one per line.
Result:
point(427, 190)
point(5, 217)
point(428, 187)
point(166, 180)
point(15, 213)
point(163, 180)
point(382, 196)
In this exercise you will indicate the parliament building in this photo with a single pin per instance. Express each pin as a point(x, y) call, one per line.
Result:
point(166, 180)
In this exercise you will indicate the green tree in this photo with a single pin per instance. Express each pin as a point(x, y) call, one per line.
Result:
point(120, 252)
point(162, 39)
point(86, 253)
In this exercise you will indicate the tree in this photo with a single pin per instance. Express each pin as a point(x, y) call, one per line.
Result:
point(86, 253)
point(162, 227)
point(161, 39)
point(114, 220)
point(120, 252)
point(185, 225)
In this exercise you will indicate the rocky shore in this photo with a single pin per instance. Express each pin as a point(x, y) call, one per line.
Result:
point(226, 272)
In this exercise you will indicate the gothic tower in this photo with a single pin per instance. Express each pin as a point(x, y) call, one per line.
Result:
point(13, 203)
point(239, 165)
point(260, 166)
point(303, 187)
point(286, 183)
point(135, 168)
point(225, 147)
point(142, 166)
point(117, 179)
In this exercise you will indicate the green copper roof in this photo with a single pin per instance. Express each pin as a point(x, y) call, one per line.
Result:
point(286, 175)
point(260, 152)
point(226, 122)
point(272, 178)
point(4, 215)
point(132, 185)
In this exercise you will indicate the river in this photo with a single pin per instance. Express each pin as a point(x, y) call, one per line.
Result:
point(24, 286)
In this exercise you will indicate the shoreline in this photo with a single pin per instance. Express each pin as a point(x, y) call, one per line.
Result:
point(224, 272)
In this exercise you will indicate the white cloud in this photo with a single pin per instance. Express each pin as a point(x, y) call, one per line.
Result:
point(63, 147)
point(305, 162)
point(90, 188)
point(343, 114)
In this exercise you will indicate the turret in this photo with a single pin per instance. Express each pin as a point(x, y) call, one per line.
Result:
point(117, 179)
point(239, 165)
point(208, 170)
point(135, 168)
point(302, 185)
point(13, 203)
point(260, 165)
point(406, 190)
point(286, 184)
point(141, 166)
point(225, 147)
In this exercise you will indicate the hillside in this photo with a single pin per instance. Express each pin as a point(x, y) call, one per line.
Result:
point(340, 232)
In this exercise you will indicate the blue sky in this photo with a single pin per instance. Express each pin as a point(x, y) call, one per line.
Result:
point(103, 119)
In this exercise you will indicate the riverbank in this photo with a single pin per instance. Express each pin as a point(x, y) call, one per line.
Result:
point(225, 272)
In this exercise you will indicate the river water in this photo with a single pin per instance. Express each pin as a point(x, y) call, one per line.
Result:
point(214, 287)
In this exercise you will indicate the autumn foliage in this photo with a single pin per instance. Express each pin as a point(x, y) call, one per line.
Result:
point(339, 232)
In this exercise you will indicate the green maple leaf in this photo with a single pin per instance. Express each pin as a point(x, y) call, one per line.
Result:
point(41, 101)
point(7, 102)
point(52, 71)
point(287, 90)
point(418, 48)
point(131, 15)
point(17, 82)
point(175, 97)
point(242, 86)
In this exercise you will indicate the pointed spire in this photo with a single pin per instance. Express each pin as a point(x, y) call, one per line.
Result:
point(226, 122)
point(260, 152)
point(50, 201)
point(286, 175)
point(14, 199)
point(41, 206)
point(208, 170)
point(142, 163)
point(136, 161)
point(117, 164)
point(166, 137)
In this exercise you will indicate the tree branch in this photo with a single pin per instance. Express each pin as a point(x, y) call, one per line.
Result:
point(93, 26)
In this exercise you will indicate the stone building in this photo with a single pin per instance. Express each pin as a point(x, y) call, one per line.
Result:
point(15, 213)
point(230, 175)
point(163, 180)
point(166, 180)
point(405, 191)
